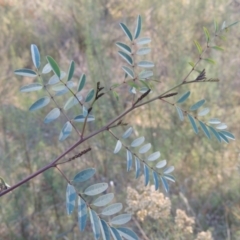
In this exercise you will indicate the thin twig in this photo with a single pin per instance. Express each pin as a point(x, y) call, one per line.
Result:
point(76, 156)
point(59, 106)
point(62, 174)
point(140, 228)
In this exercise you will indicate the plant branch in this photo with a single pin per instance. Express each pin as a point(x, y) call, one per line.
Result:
point(83, 139)
point(62, 174)
point(70, 90)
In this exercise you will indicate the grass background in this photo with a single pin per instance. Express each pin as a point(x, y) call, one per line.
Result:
point(207, 173)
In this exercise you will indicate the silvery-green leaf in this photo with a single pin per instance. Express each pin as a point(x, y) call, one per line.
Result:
point(126, 57)
point(84, 175)
point(81, 118)
point(214, 121)
point(146, 174)
point(66, 131)
point(180, 113)
point(35, 55)
point(121, 219)
point(115, 234)
point(193, 123)
point(25, 72)
point(31, 87)
point(204, 112)
point(223, 137)
point(228, 135)
point(62, 92)
point(137, 167)
point(184, 97)
point(156, 181)
point(94, 223)
point(221, 126)
point(103, 200)
point(137, 142)
point(143, 51)
point(145, 74)
point(46, 69)
point(112, 209)
point(138, 27)
point(52, 115)
point(118, 147)
point(127, 233)
point(70, 198)
point(169, 170)
point(165, 184)
point(82, 214)
point(129, 71)
point(161, 164)
point(95, 189)
point(145, 148)
point(126, 31)
point(215, 133)
point(124, 47)
point(40, 103)
point(72, 101)
point(143, 40)
point(133, 90)
point(82, 82)
point(55, 79)
point(90, 95)
point(129, 160)
point(169, 177)
point(205, 129)
point(146, 64)
point(61, 86)
point(197, 105)
point(84, 111)
point(54, 66)
point(104, 229)
point(127, 133)
point(154, 156)
point(71, 70)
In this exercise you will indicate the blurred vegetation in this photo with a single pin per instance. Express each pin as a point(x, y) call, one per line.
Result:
point(208, 174)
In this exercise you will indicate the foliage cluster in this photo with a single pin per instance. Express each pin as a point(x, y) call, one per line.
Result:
point(151, 132)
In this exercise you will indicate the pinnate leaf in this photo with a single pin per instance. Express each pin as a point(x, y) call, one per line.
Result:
point(31, 87)
point(127, 133)
point(70, 198)
point(35, 55)
point(54, 66)
point(95, 189)
point(52, 115)
point(40, 103)
point(84, 175)
point(118, 147)
point(103, 200)
point(126, 31)
point(138, 27)
point(112, 209)
point(66, 131)
point(25, 72)
point(184, 97)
